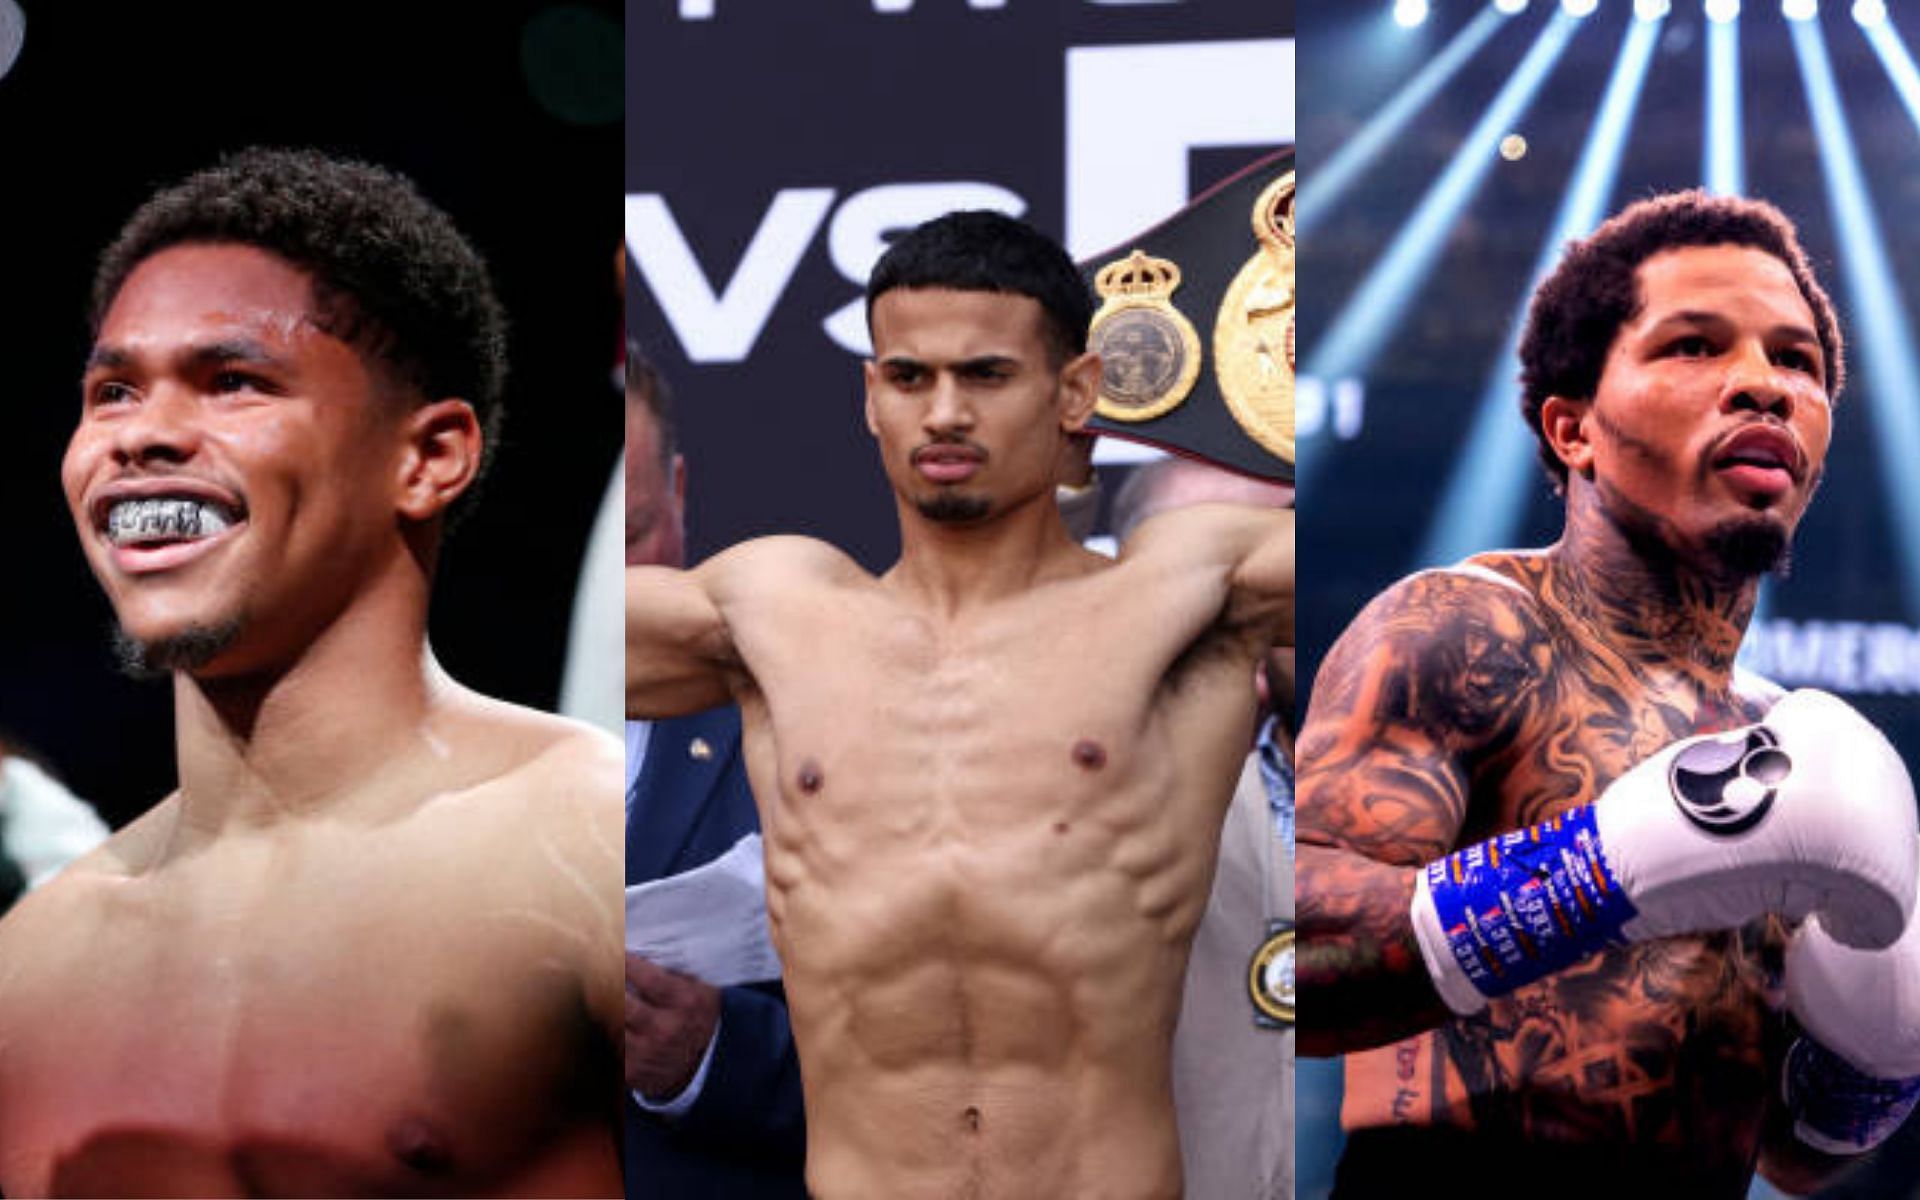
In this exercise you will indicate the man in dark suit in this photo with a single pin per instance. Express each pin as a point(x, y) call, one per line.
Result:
point(715, 1105)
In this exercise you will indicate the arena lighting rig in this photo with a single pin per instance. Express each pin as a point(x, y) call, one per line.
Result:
point(1485, 499)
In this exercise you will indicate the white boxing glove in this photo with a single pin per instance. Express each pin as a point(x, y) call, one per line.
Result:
point(1852, 1084)
point(1810, 810)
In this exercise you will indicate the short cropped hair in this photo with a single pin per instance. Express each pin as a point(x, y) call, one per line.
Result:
point(1579, 309)
point(984, 251)
point(391, 275)
point(647, 387)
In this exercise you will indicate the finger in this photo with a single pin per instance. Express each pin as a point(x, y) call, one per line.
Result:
point(656, 984)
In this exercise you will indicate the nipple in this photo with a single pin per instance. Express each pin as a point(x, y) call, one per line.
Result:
point(1089, 754)
point(810, 777)
point(415, 1142)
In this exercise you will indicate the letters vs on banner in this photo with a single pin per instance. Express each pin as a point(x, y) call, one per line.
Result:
point(771, 153)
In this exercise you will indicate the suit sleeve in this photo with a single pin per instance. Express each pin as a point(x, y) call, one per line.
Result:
point(752, 1093)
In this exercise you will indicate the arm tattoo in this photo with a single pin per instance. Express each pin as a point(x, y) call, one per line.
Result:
point(1431, 681)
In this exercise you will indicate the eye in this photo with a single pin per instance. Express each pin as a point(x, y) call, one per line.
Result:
point(904, 375)
point(1795, 358)
point(110, 392)
point(238, 381)
point(1691, 345)
point(986, 372)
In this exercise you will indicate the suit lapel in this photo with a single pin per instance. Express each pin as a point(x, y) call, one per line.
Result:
point(686, 759)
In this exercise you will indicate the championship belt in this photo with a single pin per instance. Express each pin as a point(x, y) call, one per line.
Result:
point(1225, 261)
point(1270, 978)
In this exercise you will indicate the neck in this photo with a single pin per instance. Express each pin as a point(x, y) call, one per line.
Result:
point(301, 737)
point(1646, 599)
point(951, 568)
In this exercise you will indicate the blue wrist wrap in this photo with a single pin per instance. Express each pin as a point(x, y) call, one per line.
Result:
point(1523, 905)
point(1846, 1110)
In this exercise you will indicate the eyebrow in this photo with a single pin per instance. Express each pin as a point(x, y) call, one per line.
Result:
point(976, 363)
point(986, 360)
point(1696, 316)
point(206, 354)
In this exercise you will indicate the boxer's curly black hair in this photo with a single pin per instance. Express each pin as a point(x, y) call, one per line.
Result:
point(984, 251)
point(391, 274)
point(1578, 311)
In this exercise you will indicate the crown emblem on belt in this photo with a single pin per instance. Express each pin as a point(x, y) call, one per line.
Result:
point(1150, 351)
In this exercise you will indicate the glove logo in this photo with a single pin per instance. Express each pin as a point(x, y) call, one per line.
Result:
point(1726, 785)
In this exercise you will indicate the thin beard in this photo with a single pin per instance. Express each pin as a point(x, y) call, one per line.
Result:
point(188, 651)
point(1741, 548)
point(948, 509)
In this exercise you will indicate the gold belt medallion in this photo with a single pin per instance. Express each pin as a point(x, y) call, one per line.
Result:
point(1253, 350)
point(1270, 979)
point(1150, 352)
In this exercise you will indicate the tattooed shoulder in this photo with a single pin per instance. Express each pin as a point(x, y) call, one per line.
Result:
point(1456, 654)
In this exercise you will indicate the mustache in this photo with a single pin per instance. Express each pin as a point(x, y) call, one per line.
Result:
point(949, 443)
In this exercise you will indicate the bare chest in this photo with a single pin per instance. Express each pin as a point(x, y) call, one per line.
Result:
point(349, 1034)
point(1596, 719)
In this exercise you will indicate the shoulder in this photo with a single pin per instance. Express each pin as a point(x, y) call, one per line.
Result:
point(791, 558)
point(1459, 651)
point(1226, 532)
point(538, 753)
point(1469, 602)
point(60, 911)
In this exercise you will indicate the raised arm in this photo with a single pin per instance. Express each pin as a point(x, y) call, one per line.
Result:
point(1253, 546)
point(1426, 675)
point(679, 649)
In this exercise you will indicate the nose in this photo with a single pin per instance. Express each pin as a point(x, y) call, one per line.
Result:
point(163, 427)
point(1755, 383)
point(949, 409)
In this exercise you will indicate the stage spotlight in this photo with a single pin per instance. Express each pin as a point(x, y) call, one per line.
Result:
point(1579, 8)
point(1799, 10)
point(1486, 495)
point(1723, 166)
point(1513, 147)
point(1511, 7)
point(1869, 13)
point(1722, 10)
point(1409, 13)
point(1651, 10)
point(1371, 315)
point(1332, 181)
point(1889, 359)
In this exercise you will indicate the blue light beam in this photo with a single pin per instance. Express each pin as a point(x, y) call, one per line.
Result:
point(1372, 315)
point(1331, 181)
point(1879, 315)
point(1725, 165)
point(1486, 494)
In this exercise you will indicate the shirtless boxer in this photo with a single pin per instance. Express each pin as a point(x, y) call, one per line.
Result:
point(370, 946)
point(1679, 368)
point(991, 780)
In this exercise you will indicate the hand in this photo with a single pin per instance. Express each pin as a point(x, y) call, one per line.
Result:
point(1862, 1008)
point(1809, 811)
point(670, 1019)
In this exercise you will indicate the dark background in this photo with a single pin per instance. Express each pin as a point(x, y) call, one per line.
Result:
point(507, 116)
point(770, 95)
point(1368, 497)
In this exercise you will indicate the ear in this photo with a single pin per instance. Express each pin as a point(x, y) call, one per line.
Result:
point(442, 455)
point(1564, 422)
point(870, 375)
point(1079, 391)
